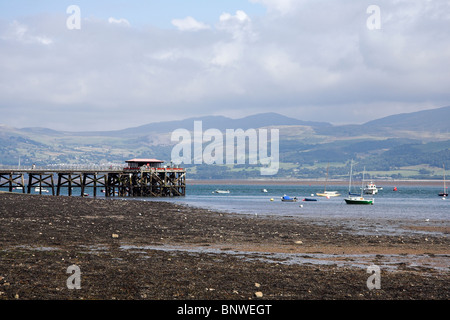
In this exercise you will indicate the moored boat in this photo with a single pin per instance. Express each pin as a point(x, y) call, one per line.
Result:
point(221, 191)
point(326, 193)
point(371, 188)
point(445, 191)
point(286, 198)
point(355, 199)
point(358, 200)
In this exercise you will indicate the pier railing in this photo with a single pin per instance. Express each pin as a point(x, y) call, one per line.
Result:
point(63, 167)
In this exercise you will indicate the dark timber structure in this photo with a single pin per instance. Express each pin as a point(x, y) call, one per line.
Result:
point(140, 178)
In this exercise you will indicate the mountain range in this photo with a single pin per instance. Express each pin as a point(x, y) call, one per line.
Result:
point(413, 145)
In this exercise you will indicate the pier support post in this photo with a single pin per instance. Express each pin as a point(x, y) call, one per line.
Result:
point(12, 180)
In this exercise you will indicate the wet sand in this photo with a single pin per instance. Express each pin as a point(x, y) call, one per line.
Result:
point(139, 250)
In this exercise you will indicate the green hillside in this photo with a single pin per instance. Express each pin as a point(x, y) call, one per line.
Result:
point(387, 147)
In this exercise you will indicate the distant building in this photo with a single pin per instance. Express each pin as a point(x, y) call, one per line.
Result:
point(149, 163)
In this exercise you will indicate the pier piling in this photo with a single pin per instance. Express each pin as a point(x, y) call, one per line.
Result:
point(136, 180)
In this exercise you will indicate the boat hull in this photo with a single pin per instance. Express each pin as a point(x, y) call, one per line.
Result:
point(289, 199)
point(331, 194)
point(221, 191)
point(358, 201)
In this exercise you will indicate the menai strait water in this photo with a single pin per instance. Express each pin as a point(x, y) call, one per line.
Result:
point(390, 213)
point(412, 202)
point(409, 204)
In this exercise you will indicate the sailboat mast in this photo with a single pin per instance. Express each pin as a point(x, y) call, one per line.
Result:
point(326, 179)
point(362, 182)
point(443, 165)
point(350, 181)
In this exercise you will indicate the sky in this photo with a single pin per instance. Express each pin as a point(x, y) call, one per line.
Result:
point(119, 64)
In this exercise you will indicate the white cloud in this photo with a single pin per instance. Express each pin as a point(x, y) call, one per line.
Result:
point(17, 31)
point(121, 21)
point(238, 25)
point(280, 6)
point(318, 61)
point(189, 24)
point(240, 16)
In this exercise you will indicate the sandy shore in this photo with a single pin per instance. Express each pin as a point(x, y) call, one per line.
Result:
point(136, 250)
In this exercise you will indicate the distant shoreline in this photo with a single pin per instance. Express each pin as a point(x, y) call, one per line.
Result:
point(302, 182)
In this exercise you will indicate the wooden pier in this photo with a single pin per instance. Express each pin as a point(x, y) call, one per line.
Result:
point(135, 180)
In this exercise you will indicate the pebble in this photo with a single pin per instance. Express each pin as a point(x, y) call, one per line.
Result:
point(258, 294)
point(115, 235)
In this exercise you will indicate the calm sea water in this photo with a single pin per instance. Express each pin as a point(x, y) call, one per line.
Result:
point(392, 213)
point(391, 209)
point(411, 202)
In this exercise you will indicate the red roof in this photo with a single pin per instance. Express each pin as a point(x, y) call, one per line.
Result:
point(145, 160)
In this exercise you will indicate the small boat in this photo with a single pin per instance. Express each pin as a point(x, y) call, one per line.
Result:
point(326, 193)
point(286, 198)
point(264, 190)
point(221, 191)
point(370, 188)
point(39, 189)
point(445, 191)
point(309, 199)
point(358, 200)
point(355, 199)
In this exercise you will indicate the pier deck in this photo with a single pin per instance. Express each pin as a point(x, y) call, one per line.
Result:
point(125, 182)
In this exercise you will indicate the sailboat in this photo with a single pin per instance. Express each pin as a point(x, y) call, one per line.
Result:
point(445, 192)
point(356, 199)
point(325, 192)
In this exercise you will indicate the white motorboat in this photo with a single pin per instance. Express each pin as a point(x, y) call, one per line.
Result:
point(370, 188)
point(221, 191)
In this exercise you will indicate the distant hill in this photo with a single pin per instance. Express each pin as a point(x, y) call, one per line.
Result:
point(413, 144)
point(436, 119)
point(216, 122)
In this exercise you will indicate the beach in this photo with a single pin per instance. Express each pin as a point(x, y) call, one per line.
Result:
point(155, 250)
